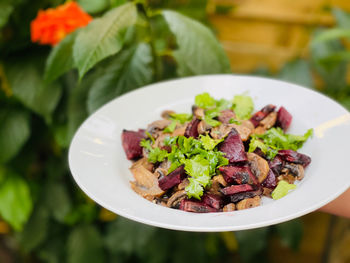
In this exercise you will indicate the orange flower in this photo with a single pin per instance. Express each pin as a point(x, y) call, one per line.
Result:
point(53, 24)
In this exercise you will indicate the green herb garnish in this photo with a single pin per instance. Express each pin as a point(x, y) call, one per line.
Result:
point(243, 106)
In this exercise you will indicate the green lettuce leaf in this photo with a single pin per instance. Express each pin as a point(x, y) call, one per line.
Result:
point(171, 127)
point(209, 143)
point(204, 100)
point(181, 117)
point(282, 190)
point(243, 106)
point(194, 189)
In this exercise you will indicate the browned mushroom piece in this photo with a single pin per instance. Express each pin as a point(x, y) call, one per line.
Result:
point(179, 131)
point(165, 165)
point(217, 182)
point(203, 127)
point(226, 115)
point(267, 192)
point(296, 170)
point(224, 129)
point(285, 175)
point(183, 184)
point(269, 121)
point(146, 183)
point(167, 114)
point(259, 166)
point(229, 207)
point(248, 203)
point(259, 130)
point(157, 126)
point(143, 162)
point(198, 112)
point(159, 172)
point(176, 198)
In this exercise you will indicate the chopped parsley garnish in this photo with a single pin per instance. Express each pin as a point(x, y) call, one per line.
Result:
point(275, 139)
point(204, 100)
point(181, 117)
point(171, 127)
point(155, 154)
point(232, 120)
point(209, 143)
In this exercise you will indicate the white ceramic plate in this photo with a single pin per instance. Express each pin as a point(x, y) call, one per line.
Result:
point(99, 166)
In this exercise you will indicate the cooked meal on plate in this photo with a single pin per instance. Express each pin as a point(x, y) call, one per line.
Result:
point(221, 158)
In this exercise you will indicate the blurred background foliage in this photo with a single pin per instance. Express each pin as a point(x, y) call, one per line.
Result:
point(46, 218)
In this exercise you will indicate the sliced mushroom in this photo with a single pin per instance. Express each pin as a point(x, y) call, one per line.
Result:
point(267, 191)
point(203, 127)
point(224, 129)
point(157, 126)
point(198, 112)
point(217, 182)
point(229, 207)
point(159, 172)
point(176, 198)
point(179, 131)
point(165, 165)
point(296, 170)
point(166, 114)
point(288, 177)
point(183, 184)
point(226, 115)
point(248, 203)
point(143, 162)
point(259, 130)
point(146, 183)
point(269, 121)
point(259, 166)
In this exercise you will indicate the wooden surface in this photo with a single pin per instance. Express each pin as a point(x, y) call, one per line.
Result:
point(267, 33)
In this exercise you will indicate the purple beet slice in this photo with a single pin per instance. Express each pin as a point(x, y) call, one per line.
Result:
point(233, 147)
point(172, 179)
point(212, 200)
point(260, 115)
point(270, 180)
point(276, 164)
point(192, 129)
point(284, 118)
point(237, 174)
point(244, 195)
point(131, 143)
point(196, 207)
point(294, 157)
point(235, 189)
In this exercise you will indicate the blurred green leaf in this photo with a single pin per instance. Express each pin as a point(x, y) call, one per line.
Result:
point(28, 87)
point(297, 71)
point(36, 229)
point(198, 50)
point(85, 245)
point(342, 18)
point(60, 59)
point(291, 233)
point(131, 69)
point(102, 37)
point(125, 236)
point(15, 200)
point(57, 200)
point(14, 132)
point(251, 243)
point(54, 250)
point(331, 34)
point(94, 6)
point(5, 11)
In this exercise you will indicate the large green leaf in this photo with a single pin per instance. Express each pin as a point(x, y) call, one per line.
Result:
point(85, 245)
point(15, 200)
point(103, 37)
point(297, 71)
point(14, 132)
point(5, 11)
point(198, 50)
point(129, 70)
point(331, 34)
point(342, 17)
point(36, 229)
point(60, 59)
point(93, 6)
point(28, 86)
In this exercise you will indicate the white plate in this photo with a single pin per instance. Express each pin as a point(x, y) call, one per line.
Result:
point(99, 166)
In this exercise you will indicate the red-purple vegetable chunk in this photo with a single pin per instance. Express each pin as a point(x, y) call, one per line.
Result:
point(196, 207)
point(131, 143)
point(172, 179)
point(284, 118)
point(260, 115)
point(237, 174)
point(235, 189)
point(233, 147)
point(276, 164)
point(270, 181)
point(294, 157)
point(212, 200)
point(192, 129)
